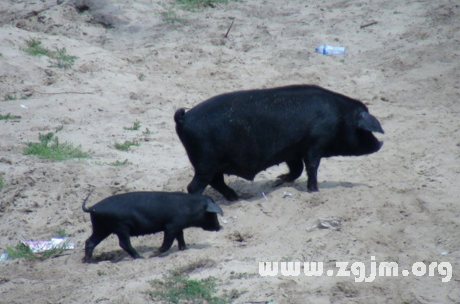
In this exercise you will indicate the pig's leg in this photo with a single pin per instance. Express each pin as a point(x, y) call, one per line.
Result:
point(93, 241)
point(312, 164)
point(180, 240)
point(295, 170)
point(125, 243)
point(199, 182)
point(218, 183)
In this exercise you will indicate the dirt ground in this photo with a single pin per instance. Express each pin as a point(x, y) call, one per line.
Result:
point(140, 60)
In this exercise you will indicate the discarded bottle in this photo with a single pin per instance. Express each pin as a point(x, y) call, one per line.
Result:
point(330, 49)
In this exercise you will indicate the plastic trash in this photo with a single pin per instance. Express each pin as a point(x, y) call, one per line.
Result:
point(326, 223)
point(287, 194)
point(4, 256)
point(330, 49)
point(41, 246)
point(329, 223)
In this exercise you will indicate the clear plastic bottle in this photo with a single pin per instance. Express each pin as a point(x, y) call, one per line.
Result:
point(330, 49)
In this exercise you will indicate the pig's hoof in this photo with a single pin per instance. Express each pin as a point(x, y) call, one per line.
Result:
point(283, 178)
point(182, 247)
point(312, 189)
point(86, 260)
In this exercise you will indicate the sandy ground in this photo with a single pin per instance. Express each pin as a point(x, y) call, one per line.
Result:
point(400, 204)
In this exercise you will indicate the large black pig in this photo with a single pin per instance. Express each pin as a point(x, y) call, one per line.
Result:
point(242, 133)
point(140, 213)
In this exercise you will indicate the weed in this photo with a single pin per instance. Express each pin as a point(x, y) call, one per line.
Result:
point(101, 273)
point(241, 275)
point(51, 253)
point(62, 59)
point(8, 116)
point(196, 4)
point(136, 126)
point(1, 54)
point(2, 181)
point(9, 97)
point(286, 259)
point(141, 77)
point(147, 131)
point(49, 147)
point(35, 48)
point(126, 145)
point(171, 16)
point(119, 163)
point(180, 289)
point(20, 251)
point(115, 163)
point(60, 232)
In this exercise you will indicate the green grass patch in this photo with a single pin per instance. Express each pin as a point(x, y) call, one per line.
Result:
point(170, 16)
point(9, 97)
point(141, 77)
point(9, 117)
point(49, 147)
point(61, 58)
point(178, 288)
point(21, 251)
point(136, 126)
point(60, 232)
point(197, 4)
point(35, 48)
point(126, 145)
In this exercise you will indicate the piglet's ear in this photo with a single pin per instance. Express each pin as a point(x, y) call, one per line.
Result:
point(369, 123)
point(212, 207)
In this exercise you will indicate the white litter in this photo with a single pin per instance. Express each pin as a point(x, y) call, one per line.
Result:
point(54, 243)
point(326, 223)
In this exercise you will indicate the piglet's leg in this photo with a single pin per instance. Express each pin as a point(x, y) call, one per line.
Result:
point(169, 237)
point(125, 243)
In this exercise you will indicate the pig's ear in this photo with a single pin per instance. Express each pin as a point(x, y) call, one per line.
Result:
point(212, 207)
point(369, 123)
